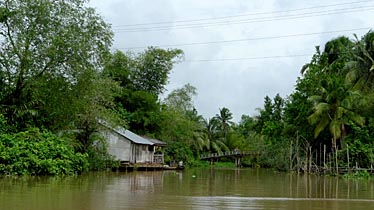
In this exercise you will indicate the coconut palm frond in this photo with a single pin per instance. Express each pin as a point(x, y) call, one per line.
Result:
point(323, 123)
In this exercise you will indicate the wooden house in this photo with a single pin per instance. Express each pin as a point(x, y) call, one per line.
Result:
point(131, 148)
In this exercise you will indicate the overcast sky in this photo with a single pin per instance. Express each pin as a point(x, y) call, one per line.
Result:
point(236, 51)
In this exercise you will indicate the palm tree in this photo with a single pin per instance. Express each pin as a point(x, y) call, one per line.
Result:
point(361, 69)
point(200, 138)
point(224, 121)
point(334, 108)
point(361, 72)
point(214, 143)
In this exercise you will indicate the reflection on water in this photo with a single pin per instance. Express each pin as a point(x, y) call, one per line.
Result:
point(190, 189)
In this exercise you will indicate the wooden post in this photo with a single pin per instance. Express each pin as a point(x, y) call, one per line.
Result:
point(324, 156)
point(348, 158)
point(291, 156)
point(310, 158)
point(297, 152)
point(336, 160)
point(320, 155)
point(237, 161)
point(316, 163)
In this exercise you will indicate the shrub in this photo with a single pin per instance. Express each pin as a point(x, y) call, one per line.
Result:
point(34, 152)
point(4, 127)
point(98, 156)
point(178, 151)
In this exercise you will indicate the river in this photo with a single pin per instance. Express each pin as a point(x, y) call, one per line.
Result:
point(190, 189)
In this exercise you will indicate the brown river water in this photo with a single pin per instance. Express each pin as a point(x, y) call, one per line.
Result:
point(190, 189)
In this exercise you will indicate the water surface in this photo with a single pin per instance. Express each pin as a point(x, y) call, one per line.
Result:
point(190, 189)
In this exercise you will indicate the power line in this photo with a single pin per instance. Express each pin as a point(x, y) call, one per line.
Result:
point(250, 58)
point(243, 15)
point(253, 20)
point(250, 39)
point(246, 21)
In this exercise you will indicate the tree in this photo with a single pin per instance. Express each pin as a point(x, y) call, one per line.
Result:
point(142, 78)
point(119, 67)
point(153, 67)
point(278, 108)
point(264, 114)
point(224, 120)
point(52, 51)
point(270, 120)
point(246, 125)
point(181, 99)
point(334, 108)
point(362, 66)
point(214, 142)
point(182, 123)
point(333, 98)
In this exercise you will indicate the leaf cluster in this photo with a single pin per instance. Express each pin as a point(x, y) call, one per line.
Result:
point(36, 152)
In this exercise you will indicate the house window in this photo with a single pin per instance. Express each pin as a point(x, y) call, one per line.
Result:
point(151, 148)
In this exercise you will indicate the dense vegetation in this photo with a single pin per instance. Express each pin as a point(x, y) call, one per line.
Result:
point(58, 77)
point(327, 121)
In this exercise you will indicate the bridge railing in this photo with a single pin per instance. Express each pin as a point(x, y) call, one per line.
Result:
point(228, 154)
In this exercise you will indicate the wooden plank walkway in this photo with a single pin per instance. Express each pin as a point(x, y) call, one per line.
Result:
point(235, 153)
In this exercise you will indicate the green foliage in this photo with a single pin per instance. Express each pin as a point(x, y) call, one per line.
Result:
point(119, 67)
point(98, 157)
point(153, 68)
point(362, 65)
point(276, 156)
point(142, 78)
point(246, 125)
point(49, 65)
point(143, 111)
point(4, 127)
point(223, 165)
point(270, 119)
point(223, 120)
point(334, 108)
point(327, 108)
point(359, 144)
point(358, 175)
point(181, 99)
point(178, 151)
point(39, 153)
point(147, 71)
point(199, 164)
point(324, 101)
point(61, 77)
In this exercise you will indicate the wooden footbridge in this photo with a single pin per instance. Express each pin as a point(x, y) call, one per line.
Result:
point(237, 154)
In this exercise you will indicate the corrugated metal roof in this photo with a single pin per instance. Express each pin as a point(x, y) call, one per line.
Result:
point(127, 134)
point(155, 141)
point(133, 137)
